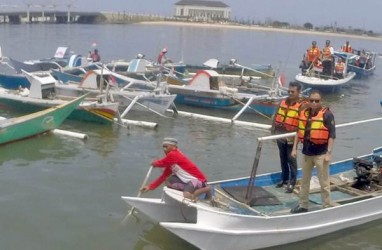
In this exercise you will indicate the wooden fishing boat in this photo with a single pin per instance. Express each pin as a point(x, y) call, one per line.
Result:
point(250, 213)
point(78, 74)
point(206, 90)
point(43, 94)
point(143, 94)
point(63, 57)
point(361, 62)
point(18, 128)
point(232, 68)
point(143, 69)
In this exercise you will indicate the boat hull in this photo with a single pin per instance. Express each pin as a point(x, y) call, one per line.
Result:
point(86, 113)
point(14, 81)
point(36, 65)
point(35, 123)
point(239, 226)
point(259, 70)
point(214, 100)
point(361, 73)
point(322, 84)
point(147, 101)
point(254, 233)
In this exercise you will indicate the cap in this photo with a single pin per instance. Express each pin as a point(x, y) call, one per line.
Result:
point(164, 50)
point(327, 41)
point(314, 42)
point(170, 141)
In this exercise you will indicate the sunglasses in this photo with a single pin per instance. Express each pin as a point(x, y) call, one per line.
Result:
point(314, 101)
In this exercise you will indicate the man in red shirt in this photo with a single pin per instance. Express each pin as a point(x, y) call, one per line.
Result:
point(95, 56)
point(179, 172)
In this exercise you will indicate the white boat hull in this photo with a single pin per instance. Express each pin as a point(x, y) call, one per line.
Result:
point(167, 210)
point(231, 224)
point(222, 230)
point(324, 84)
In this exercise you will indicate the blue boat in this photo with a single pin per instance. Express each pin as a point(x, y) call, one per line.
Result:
point(233, 68)
point(206, 90)
point(361, 62)
point(13, 81)
point(62, 58)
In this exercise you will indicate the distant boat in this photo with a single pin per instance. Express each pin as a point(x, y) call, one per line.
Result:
point(232, 68)
point(43, 94)
point(143, 69)
point(315, 79)
point(22, 127)
point(62, 58)
point(204, 90)
point(361, 61)
point(325, 84)
point(134, 95)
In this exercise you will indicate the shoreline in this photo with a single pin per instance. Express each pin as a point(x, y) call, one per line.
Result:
point(258, 28)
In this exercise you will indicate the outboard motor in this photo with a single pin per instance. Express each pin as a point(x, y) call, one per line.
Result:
point(366, 170)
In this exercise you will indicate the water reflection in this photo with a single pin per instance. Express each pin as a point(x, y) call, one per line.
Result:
point(153, 236)
point(47, 146)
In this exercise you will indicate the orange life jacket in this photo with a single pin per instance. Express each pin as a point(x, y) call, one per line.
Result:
point(313, 54)
point(319, 134)
point(340, 67)
point(287, 115)
point(347, 49)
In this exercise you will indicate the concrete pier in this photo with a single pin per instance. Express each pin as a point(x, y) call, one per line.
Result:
point(20, 17)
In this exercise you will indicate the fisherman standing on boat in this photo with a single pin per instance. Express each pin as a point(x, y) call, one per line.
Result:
point(286, 121)
point(312, 56)
point(316, 132)
point(162, 58)
point(179, 172)
point(347, 48)
point(327, 59)
point(95, 56)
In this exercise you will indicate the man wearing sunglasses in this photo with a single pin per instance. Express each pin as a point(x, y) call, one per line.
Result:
point(179, 172)
point(316, 132)
point(286, 121)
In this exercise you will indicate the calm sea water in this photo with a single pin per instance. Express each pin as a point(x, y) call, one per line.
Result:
point(63, 193)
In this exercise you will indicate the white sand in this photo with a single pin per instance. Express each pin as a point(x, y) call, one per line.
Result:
point(261, 28)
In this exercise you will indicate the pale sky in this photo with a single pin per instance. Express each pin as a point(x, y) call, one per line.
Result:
point(357, 14)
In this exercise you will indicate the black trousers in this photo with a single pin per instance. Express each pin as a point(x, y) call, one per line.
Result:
point(327, 68)
point(288, 163)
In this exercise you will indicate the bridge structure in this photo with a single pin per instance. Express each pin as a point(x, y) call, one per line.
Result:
point(49, 16)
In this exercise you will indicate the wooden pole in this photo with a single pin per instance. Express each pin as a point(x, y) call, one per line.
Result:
point(139, 195)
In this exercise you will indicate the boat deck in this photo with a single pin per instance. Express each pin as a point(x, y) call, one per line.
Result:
point(342, 192)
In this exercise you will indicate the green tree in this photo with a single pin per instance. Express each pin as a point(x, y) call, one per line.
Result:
point(308, 26)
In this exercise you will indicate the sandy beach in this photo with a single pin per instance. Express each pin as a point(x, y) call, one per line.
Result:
point(261, 28)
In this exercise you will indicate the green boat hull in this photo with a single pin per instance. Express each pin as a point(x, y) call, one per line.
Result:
point(18, 128)
point(77, 114)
